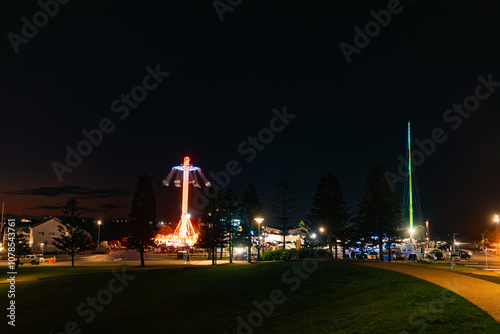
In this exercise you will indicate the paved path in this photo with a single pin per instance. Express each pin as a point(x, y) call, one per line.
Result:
point(484, 294)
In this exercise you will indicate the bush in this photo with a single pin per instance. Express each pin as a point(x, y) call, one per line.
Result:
point(291, 254)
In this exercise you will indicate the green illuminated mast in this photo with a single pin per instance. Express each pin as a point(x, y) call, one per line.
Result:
point(409, 178)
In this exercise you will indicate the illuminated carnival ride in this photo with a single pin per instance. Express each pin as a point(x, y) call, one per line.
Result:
point(184, 234)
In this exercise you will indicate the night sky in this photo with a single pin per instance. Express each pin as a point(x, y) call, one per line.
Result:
point(203, 85)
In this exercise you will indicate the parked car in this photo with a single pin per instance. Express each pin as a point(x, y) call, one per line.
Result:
point(398, 256)
point(454, 256)
point(33, 259)
point(372, 256)
point(244, 256)
point(436, 255)
point(412, 257)
point(426, 259)
point(361, 256)
point(464, 254)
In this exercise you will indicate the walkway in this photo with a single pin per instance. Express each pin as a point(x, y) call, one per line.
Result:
point(483, 294)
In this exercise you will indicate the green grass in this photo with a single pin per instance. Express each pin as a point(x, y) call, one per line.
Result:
point(338, 297)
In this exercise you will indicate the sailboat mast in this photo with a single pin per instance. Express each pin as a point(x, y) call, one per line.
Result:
point(410, 185)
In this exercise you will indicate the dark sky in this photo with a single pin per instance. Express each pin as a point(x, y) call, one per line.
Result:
point(226, 77)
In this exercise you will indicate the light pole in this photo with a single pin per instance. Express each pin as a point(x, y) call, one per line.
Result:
point(99, 234)
point(454, 242)
point(258, 220)
point(496, 221)
point(426, 234)
point(42, 244)
point(484, 250)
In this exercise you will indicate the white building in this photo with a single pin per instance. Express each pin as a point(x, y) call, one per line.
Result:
point(44, 233)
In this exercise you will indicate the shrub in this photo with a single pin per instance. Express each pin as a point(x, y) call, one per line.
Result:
point(291, 254)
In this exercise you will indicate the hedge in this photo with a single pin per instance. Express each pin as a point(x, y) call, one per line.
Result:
point(291, 254)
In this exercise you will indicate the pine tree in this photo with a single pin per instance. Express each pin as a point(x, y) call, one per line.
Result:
point(74, 239)
point(211, 233)
point(143, 215)
point(380, 213)
point(284, 204)
point(253, 208)
point(230, 209)
point(329, 210)
point(22, 247)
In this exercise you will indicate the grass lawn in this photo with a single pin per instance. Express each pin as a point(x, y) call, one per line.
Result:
point(335, 297)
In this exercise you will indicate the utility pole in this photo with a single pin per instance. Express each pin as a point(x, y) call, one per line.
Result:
point(484, 250)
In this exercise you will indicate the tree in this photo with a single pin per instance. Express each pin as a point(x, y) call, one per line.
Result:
point(253, 208)
point(284, 204)
point(143, 215)
point(379, 211)
point(303, 229)
point(329, 208)
point(74, 239)
point(211, 233)
point(22, 246)
point(230, 209)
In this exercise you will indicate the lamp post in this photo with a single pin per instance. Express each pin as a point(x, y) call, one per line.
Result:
point(99, 234)
point(496, 221)
point(42, 244)
point(454, 242)
point(484, 250)
point(258, 220)
point(426, 234)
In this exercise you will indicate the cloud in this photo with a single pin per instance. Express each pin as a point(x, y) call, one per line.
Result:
point(46, 207)
point(73, 191)
point(102, 208)
point(110, 206)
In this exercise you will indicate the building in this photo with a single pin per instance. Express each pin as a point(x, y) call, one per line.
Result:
point(272, 238)
point(43, 233)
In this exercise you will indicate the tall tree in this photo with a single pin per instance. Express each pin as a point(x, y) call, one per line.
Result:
point(253, 208)
point(21, 244)
point(74, 238)
point(143, 215)
point(211, 233)
point(230, 209)
point(380, 212)
point(285, 203)
point(329, 209)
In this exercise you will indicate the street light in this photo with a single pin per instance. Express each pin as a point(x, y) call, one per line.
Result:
point(42, 244)
point(258, 220)
point(99, 234)
point(484, 250)
point(496, 221)
point(454, 242)
point(426, 234)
